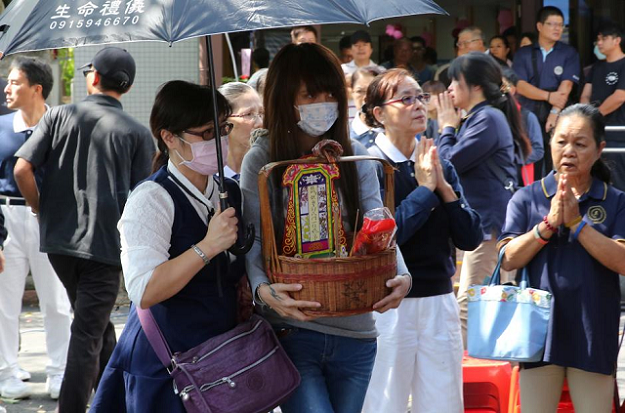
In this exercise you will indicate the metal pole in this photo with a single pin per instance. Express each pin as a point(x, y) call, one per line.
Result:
point(223, 194)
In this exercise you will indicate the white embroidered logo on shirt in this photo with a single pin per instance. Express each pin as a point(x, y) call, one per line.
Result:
point(558, 70)
point(611, 78)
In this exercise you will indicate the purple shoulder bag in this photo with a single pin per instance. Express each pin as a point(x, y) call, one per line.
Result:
point(244, 370)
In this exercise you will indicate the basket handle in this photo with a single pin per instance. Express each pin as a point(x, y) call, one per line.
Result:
point(270, 252)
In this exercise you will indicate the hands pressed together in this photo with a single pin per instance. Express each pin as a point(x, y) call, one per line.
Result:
point(564, 205)
point(429, 170)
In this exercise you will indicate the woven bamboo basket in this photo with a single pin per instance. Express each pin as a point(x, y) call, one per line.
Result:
point(343, 286)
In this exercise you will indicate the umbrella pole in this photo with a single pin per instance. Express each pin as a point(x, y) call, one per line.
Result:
point(223, 194)
point(236, 249)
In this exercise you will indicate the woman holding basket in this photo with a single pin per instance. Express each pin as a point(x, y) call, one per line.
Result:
point(568, 230)
point(305, 102)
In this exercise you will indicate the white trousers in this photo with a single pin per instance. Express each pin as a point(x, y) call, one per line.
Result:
point(419, 353)
point(21, 251)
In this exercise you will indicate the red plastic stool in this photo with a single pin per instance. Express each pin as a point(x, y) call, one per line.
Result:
point(486, 385)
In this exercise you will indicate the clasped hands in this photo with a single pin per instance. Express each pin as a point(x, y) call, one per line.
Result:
point(429, 170)
point(564, 205)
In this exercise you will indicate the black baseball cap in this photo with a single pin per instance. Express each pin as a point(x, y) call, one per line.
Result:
point(360, 36)
point(115, 64)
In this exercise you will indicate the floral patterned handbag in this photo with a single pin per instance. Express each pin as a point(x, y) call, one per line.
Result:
point(507, 322)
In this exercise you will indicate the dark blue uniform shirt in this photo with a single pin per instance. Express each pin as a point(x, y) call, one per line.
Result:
point(562, 63)
point(583, 330)
point(425, 224)
point(10, 142)
point(484, 134)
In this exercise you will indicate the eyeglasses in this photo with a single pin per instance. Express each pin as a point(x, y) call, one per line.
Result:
point(466, 43)
point(554, 25)
point(411, 100)
point(208, 134)
point(250, 116)
point(86, 72)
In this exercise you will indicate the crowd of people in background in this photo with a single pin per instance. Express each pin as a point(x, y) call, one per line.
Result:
point(502, 145)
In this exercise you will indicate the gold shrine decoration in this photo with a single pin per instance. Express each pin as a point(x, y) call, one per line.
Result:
point(309, 224)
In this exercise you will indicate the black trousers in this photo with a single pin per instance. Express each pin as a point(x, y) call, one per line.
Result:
point(92, 288)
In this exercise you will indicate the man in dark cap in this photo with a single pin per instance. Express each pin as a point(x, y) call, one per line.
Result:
point(93, 154)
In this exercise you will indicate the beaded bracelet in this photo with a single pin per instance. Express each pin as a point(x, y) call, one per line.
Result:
point(579, 229)
point(549, 226)
point(538, 237)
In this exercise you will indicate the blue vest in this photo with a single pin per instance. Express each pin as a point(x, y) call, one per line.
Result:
point(207, 305)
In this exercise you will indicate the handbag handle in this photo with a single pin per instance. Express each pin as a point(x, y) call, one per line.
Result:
point(495, 279)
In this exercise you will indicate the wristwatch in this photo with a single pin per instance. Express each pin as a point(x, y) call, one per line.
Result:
point(554, 111)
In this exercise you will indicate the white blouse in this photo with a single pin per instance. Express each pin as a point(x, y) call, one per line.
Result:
point(146, 224)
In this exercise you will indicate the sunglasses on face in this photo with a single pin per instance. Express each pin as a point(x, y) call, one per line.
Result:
point(208, 134)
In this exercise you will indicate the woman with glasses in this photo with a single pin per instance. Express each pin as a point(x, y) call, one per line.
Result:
point(360, 81)
point(420, 344)
point(247, 115)
point(482, 146)
point(305, 103)
point(174, 244)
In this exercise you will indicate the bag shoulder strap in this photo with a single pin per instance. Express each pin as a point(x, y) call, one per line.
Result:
point(536, 77)
point(155, 336)
point(507, 181)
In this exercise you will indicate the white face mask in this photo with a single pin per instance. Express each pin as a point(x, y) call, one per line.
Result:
point(599, 55)
point(317, 118)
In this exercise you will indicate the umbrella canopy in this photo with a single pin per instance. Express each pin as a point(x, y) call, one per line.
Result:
point(28, 25)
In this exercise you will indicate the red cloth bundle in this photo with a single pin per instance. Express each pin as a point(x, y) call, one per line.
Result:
point(376, 234)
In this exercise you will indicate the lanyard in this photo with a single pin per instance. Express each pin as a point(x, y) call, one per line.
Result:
point(210, 210)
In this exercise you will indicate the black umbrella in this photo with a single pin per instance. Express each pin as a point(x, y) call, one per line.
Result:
point(29, 25)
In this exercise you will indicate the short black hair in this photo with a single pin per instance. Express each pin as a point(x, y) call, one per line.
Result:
point(37, 72)
point(529, 35)
point(296, 31)
point(418, 39)
point(345, 42)
point(510, 31)
point(260, 56)
point(610, 30)
point(545, 12)
point(108, 84)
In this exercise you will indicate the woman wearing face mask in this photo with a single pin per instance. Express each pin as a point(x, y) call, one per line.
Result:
point(482, 146)
point(247, 115)
point(420, 345)
point(173, 251)
point(358, 129)
point(568, 230)
point(305, 102)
